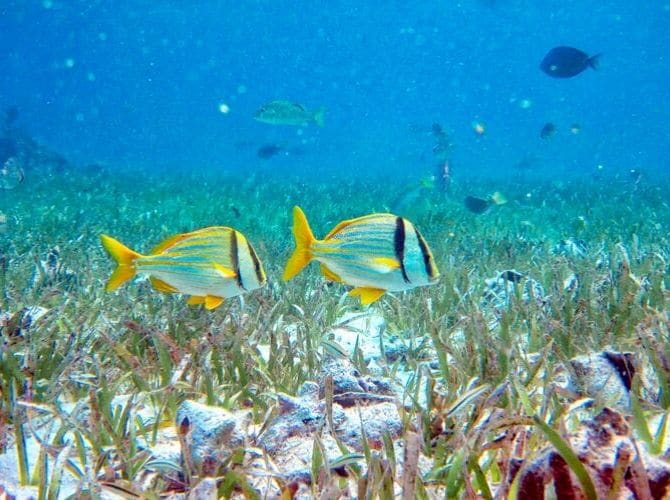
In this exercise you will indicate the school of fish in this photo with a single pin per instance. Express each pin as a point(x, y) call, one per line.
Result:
point(374, 254)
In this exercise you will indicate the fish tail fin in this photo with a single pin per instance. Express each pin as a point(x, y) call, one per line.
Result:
point(594, 61)
point(320, 116)
point(124, 257)
point(498, 198)
point(304, 239)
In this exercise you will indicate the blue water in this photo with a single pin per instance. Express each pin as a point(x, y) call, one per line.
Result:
point(140, 83)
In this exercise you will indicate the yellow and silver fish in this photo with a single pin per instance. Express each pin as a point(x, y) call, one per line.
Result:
point(374, 254)
point(209, 264)
point(289, 113)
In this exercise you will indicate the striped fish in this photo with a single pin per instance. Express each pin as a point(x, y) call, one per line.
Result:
point(209, 264)
point(374, 254)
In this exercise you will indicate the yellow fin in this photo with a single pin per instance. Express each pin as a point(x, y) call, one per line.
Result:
point(319, 117)
point(330, 275)
point(168, 243)
point(195, 300)
point(162, 286)
point(212, 302)
point(498, 198)
point(224, 271)
point(385, 264)
point(124, 257)
point(304, 239)
point(367, 295)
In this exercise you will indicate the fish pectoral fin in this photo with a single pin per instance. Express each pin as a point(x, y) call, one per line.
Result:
point(162, 286)
point(224, 271)
point(367, 295)
point(384, 264)
point(330, 275)
point(195, 300)
point(212, 302)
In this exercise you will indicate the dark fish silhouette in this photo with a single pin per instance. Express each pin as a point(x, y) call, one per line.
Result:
point(566, 62)
point(548, 130)
point(476, 205)
point(268, 151)
point(481, 205)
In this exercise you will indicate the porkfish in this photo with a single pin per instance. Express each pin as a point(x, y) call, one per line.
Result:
point(210, 265)
point(375, 254)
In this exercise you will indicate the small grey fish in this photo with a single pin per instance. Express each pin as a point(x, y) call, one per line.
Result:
point(289, 113)
point(566, 62)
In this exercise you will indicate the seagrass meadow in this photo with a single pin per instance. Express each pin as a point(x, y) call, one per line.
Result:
point(479, 400)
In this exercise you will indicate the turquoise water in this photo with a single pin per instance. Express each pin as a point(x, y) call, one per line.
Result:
point(133, 83)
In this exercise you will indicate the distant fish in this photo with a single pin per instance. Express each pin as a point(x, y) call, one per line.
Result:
point(11, 173)
point(547, 130)
point(443, 175)
point(442, 145)
point(412, 195)
point(209, 264)
point(374, 254)
point(269, 150)
point(528, 162)
point(289, 113)
point(566, 62)
point(11, 116)
point(481, 205)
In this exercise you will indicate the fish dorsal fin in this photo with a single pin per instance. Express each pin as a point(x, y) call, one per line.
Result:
point(330, 275)
point(384, 264)
point(212, 302)
point(195, 300)
point(168, 243)
point(162, 286)
point(224, 271)
point(349, 222)
point(367, 295)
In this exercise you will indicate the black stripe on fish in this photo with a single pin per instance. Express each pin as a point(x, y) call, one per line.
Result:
point(427, 261)
point(235, 259)
point(399, 245)
point(257, 264)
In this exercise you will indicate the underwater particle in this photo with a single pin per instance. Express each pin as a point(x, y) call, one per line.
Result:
point(600, 167)
point(547, 130)
point(47, 4)
point(282, 112)
point(566, 62)
point(224, 108)
point(375, 254)
point(210, 264)
point(90, 76)
point(102, 36)
point(575, 128)
point(479, 128)
point(79, 117)
point(525, 103)
point(69, 62)
point(529, 195)
point(241, 89)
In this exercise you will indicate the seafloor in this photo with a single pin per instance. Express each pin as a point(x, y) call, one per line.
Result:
point(486, 372)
